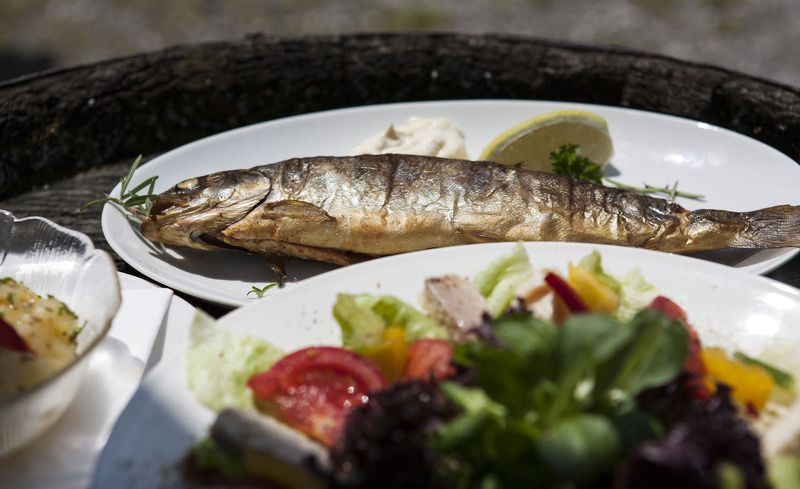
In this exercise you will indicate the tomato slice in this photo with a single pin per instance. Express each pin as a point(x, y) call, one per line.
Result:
point(429, 358)
point(11, 340)
point(315, 387)
point(668, 307)
point(694, 364)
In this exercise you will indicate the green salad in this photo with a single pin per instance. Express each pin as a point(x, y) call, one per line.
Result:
point(515, 377)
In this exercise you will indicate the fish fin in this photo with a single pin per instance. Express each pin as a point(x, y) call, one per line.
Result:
point(478, 235)
point(277, 261)
point(296, 209)
point(329, 255)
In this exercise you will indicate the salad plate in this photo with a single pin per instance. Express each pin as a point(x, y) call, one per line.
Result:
point(732, 171)
point(729, 308)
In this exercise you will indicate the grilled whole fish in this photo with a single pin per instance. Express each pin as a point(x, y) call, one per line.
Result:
point(347, 209)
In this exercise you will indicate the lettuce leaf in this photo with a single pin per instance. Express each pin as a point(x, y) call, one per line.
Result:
point(361, 326)
point(220, 362)
point(363, 318)
point(499, 281)
point(635, 293)
point(593, 263)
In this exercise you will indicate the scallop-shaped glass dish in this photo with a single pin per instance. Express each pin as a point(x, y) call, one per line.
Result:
point(52, 260)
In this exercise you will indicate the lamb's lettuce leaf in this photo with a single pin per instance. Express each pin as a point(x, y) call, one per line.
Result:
point(581, 447)
point(558, 402)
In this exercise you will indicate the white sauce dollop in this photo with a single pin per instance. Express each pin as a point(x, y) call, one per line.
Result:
point(417, 136)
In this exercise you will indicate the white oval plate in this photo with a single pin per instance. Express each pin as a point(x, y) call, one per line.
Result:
point(729, 308)
point(734, 173)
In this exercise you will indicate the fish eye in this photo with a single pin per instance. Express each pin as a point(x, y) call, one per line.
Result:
point(225, 194)
point(190, 184)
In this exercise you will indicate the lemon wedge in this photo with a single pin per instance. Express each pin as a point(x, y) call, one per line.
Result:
point(531, 142)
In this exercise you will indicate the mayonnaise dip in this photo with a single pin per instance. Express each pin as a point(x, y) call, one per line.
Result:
point(417, 136)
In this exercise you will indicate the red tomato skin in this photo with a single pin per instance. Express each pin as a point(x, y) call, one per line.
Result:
point(278, 379)
point(429, 358)
point(694, 364)
point(668, 307)
point(316, 387)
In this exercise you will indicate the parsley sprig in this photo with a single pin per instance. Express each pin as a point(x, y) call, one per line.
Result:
point(569, 160)
point(138, 205)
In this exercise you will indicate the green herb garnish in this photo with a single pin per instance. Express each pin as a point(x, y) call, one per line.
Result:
point(64, 309)
point(138, 206)
point(569, 160)
point(260, 292)
point(75, 333)
point(669, 191)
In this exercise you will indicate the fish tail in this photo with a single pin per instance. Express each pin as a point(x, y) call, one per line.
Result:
point(772, 227)
point(775, 227)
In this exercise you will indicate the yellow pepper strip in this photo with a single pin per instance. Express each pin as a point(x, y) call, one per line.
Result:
point(594, 292)
point(750, 384)
point(391, 354)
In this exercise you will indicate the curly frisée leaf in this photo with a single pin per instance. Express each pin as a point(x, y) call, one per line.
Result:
point(220, 362)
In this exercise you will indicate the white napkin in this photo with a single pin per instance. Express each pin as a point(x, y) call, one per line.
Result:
point(139, 318)
point(65, 456)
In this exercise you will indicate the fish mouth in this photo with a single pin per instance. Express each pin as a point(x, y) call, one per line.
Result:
point(195, 211)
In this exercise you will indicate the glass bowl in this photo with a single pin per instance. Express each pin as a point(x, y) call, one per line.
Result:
point(53, 260)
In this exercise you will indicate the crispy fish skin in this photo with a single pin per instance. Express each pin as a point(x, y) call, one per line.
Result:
point(346, 209)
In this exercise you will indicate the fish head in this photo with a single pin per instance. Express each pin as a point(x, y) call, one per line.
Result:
point(195, 211)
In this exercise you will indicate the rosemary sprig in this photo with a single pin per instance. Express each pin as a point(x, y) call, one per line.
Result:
point(569, 160)
point(671, 192)
point(137, 206)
